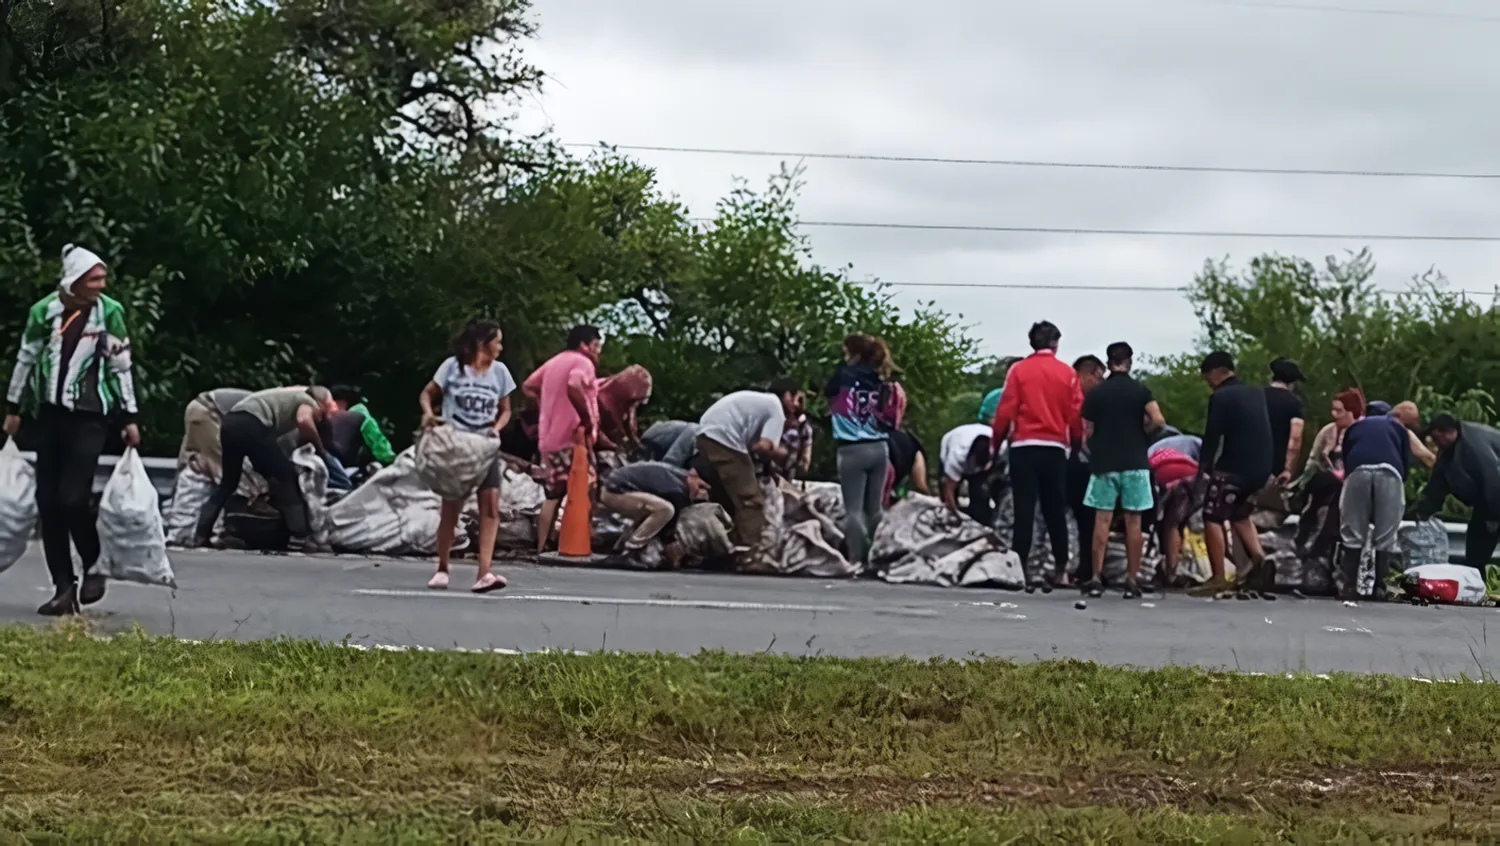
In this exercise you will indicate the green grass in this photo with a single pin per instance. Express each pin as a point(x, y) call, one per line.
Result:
point(152, 740)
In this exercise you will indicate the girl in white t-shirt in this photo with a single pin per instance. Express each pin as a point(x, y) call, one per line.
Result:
point(474, 388)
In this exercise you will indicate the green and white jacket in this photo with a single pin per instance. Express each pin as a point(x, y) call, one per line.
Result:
point(97, 378)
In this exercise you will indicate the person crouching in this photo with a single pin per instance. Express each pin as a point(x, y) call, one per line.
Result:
point(651, 493)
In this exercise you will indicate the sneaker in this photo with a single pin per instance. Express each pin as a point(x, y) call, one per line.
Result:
point(92, 589)
point(63, 604)
point(488, 583)
point(1132, 590)
point(1093, 589)
point(1212, 587)
point(439, 581)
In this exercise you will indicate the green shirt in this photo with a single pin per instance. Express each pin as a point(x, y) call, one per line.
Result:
point(375, 439)
point(96, 378)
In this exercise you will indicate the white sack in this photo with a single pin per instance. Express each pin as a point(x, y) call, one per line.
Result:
point(1457, 584)
point(133, 544)
point(17, 504)
point(453, 463)
point(921, 542)
point(190, 493)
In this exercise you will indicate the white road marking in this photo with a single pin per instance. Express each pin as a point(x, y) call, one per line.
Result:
point(713, 604)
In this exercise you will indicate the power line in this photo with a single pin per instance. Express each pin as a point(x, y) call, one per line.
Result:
point(1154, 233)
point(1039, 163)
point(1037, 286)
point(1429, 14)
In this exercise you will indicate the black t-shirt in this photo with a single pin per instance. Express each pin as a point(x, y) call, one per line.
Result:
point(903, 448)
point(1283, 407)
point(1117, 408)
point(1237, 439)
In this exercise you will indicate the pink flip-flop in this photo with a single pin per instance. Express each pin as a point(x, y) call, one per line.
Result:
point(439, 581)
point(489, 582)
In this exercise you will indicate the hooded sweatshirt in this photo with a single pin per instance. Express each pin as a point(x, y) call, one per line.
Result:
point(76, 360)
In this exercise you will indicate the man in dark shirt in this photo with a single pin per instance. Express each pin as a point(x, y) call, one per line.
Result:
point(1236, 463)
point(1091, 371)
point(1119, 413)
point(1468, 469)
point(1285, 410)
point(652, 493)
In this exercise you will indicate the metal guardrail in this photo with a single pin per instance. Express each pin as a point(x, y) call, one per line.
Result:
point(163, 472)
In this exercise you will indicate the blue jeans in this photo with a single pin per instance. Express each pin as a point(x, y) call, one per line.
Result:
point(338, 477)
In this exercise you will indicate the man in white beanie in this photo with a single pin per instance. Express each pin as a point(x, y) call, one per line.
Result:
point(75, 363)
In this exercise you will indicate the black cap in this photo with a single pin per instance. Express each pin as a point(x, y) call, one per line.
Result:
point(1286, 370)
point(1444, 422)
point(1217, 360)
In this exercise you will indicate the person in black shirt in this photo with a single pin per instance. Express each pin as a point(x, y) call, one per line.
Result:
point(1091, 371)
point(1119, 413)
point(1237, 454)
point(908, 464)
point(1285, 410)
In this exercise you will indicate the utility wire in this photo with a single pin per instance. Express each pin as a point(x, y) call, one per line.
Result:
point(1155, 233)
point(1039, 163)
point(1430, 14)
point(1037, 286)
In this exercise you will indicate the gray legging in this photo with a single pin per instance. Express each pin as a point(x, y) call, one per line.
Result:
point(1371, 507)
point(862, 470)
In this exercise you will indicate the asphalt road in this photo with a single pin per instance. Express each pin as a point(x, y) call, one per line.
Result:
point(385, 602)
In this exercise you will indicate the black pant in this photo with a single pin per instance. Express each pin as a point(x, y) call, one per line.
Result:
point(1039, 474)
point(242, 436)
point(68, 445)
point(1479, 544)
point(1078, 486)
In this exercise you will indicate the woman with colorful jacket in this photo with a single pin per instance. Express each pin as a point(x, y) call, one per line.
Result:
point(74, 362)
point(860, 400)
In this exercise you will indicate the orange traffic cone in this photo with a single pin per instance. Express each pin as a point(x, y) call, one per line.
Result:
point(575, 539)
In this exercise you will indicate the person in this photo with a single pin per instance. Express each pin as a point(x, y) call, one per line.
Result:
point(1284, 408)
point(967, 456)
point(652, 494)
point(201, 421)
point(1378, 457)
point(855, 392)
point(733, 431)
point(1236, 464)
point(1322, 480)
point(74, 365)
point(1120, 413)
point(1091, 371)
point(351, 400)
point(797, 444)
point(474, 388)
point(989, 405)
point(1174, 469)
point(251, 431)
point(566, 391)
point(1039, 417)
point(620, 397)
point(670, 441)
point(908, 465)
point(1468, 469)
point(518, 440)
point(343, 447)
point(1411, 418)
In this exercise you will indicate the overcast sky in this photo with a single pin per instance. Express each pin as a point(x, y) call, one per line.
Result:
point(1175, 82)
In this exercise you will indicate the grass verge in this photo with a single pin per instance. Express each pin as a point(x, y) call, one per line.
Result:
point(153, 740)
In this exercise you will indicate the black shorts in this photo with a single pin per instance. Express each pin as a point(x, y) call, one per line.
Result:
point(1230, 498)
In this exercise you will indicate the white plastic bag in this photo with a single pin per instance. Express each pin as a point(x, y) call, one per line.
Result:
point(132, 542)
point(17, 504)
point(1453, 584)
point(453, 463)
point(189, 495)
point(1426, 542)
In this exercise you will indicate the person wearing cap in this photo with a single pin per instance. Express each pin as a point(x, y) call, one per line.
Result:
point(1284, 408)
point(1377, 459)
point(74, 365)
point(1468, 469)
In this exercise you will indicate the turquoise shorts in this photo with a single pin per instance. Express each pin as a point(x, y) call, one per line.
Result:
point(1128, 490)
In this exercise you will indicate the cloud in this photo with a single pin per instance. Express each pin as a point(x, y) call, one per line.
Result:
point(1121, 81)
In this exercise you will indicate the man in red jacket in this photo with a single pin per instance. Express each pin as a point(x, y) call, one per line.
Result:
point(1040, 416)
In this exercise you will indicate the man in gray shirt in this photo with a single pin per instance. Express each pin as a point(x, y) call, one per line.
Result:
point(670, 442)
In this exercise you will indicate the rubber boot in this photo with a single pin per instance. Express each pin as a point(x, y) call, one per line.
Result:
point(1384, 562)
point(1349, 571)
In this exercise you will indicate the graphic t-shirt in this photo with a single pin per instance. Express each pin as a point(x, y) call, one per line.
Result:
point(471, 399)
point(854, 395)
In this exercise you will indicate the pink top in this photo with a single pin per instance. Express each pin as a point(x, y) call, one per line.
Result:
point(558, 419)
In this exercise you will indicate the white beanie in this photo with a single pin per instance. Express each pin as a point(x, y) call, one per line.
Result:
point(76, 262)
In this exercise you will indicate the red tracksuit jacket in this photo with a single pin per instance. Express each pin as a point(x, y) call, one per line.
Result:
point(1041, 404)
